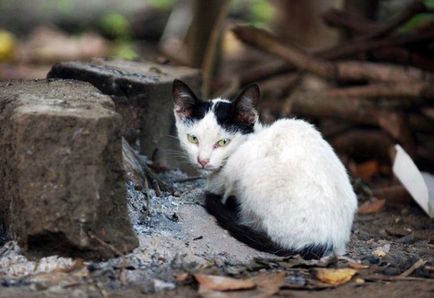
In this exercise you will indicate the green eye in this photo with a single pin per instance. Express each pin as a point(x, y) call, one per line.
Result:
point(223, 142)
point(192, 139)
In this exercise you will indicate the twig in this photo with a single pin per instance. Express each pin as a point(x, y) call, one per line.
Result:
point(188, 179)
point(415, 266)
point(110, 247)
point(152, 177)
point(156, 187)
point(101, 289)
point(147, 198)
point(395, 278)
point(211, 49)
point(123, 265)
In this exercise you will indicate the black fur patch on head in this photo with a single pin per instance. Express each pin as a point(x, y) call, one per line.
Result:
point(239, 115)
point(236, 116)
point(225, 113)
point(188, 106)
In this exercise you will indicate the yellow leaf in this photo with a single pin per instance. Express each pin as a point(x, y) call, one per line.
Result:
point(221, 283)
point(7, 45)
point(335, 276)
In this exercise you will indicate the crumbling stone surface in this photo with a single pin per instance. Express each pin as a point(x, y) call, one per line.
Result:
point(61, 179)
point(141, 91)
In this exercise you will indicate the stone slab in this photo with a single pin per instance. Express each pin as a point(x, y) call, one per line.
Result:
point(142, 92)
point(62, 184)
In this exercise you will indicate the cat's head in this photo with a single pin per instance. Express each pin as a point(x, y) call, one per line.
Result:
point(210, 131)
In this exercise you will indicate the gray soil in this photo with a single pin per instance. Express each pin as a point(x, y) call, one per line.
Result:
point(177, 236)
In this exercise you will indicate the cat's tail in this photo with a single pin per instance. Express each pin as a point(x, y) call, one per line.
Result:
point(227, 218)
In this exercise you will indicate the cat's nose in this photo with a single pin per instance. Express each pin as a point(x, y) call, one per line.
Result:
point(203, 162)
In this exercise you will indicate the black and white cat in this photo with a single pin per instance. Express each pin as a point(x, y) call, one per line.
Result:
point(292, 192)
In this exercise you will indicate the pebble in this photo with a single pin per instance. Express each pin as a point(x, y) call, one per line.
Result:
point(161, 285)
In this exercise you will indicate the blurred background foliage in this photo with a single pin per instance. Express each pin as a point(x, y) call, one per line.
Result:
point(134, 29)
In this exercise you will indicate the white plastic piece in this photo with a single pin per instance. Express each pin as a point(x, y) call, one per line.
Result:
point(414, 181)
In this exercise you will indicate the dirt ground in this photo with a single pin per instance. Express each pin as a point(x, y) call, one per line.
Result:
point(392, 252)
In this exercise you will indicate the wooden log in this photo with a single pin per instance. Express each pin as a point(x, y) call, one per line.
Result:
point(353, 23)
point(419, 91)
point(429, 112)
point(414, 8)
point(394, 194)
point(400, 56)
point(356, 110)
point(311, 103)
point(264, 71)
point(265, 41)
point(385, 50)
point(421, 123)
point(363, 144)
point(339, 71)
point(396, 124)
point(357, 47)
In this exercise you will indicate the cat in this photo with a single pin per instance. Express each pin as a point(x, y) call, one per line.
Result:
point(279, 188)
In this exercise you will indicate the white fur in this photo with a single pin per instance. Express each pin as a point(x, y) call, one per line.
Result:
point(286, 177)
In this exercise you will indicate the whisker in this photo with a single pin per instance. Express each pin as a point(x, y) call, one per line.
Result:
point(171, 136)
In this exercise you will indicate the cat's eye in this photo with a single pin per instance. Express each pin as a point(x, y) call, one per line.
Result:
point(192, 139)
point(223, 142)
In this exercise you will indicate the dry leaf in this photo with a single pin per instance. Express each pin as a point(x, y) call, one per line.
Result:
point(265, 284)
point(78, 264)
point(371, 206)
point(368, 169)
point(221, 283)
point(181, 277)
point(335, 276)
point(270, 283)
point(206, 293)
point(355, 265)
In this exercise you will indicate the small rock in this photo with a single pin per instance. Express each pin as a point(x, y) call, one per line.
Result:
point(373, 260)
point(160, 285)
point(381, 251)
point(409, 239)
point(391, 271)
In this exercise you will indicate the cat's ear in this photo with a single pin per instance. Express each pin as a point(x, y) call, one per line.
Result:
point(244, 105)
point(185, 99)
